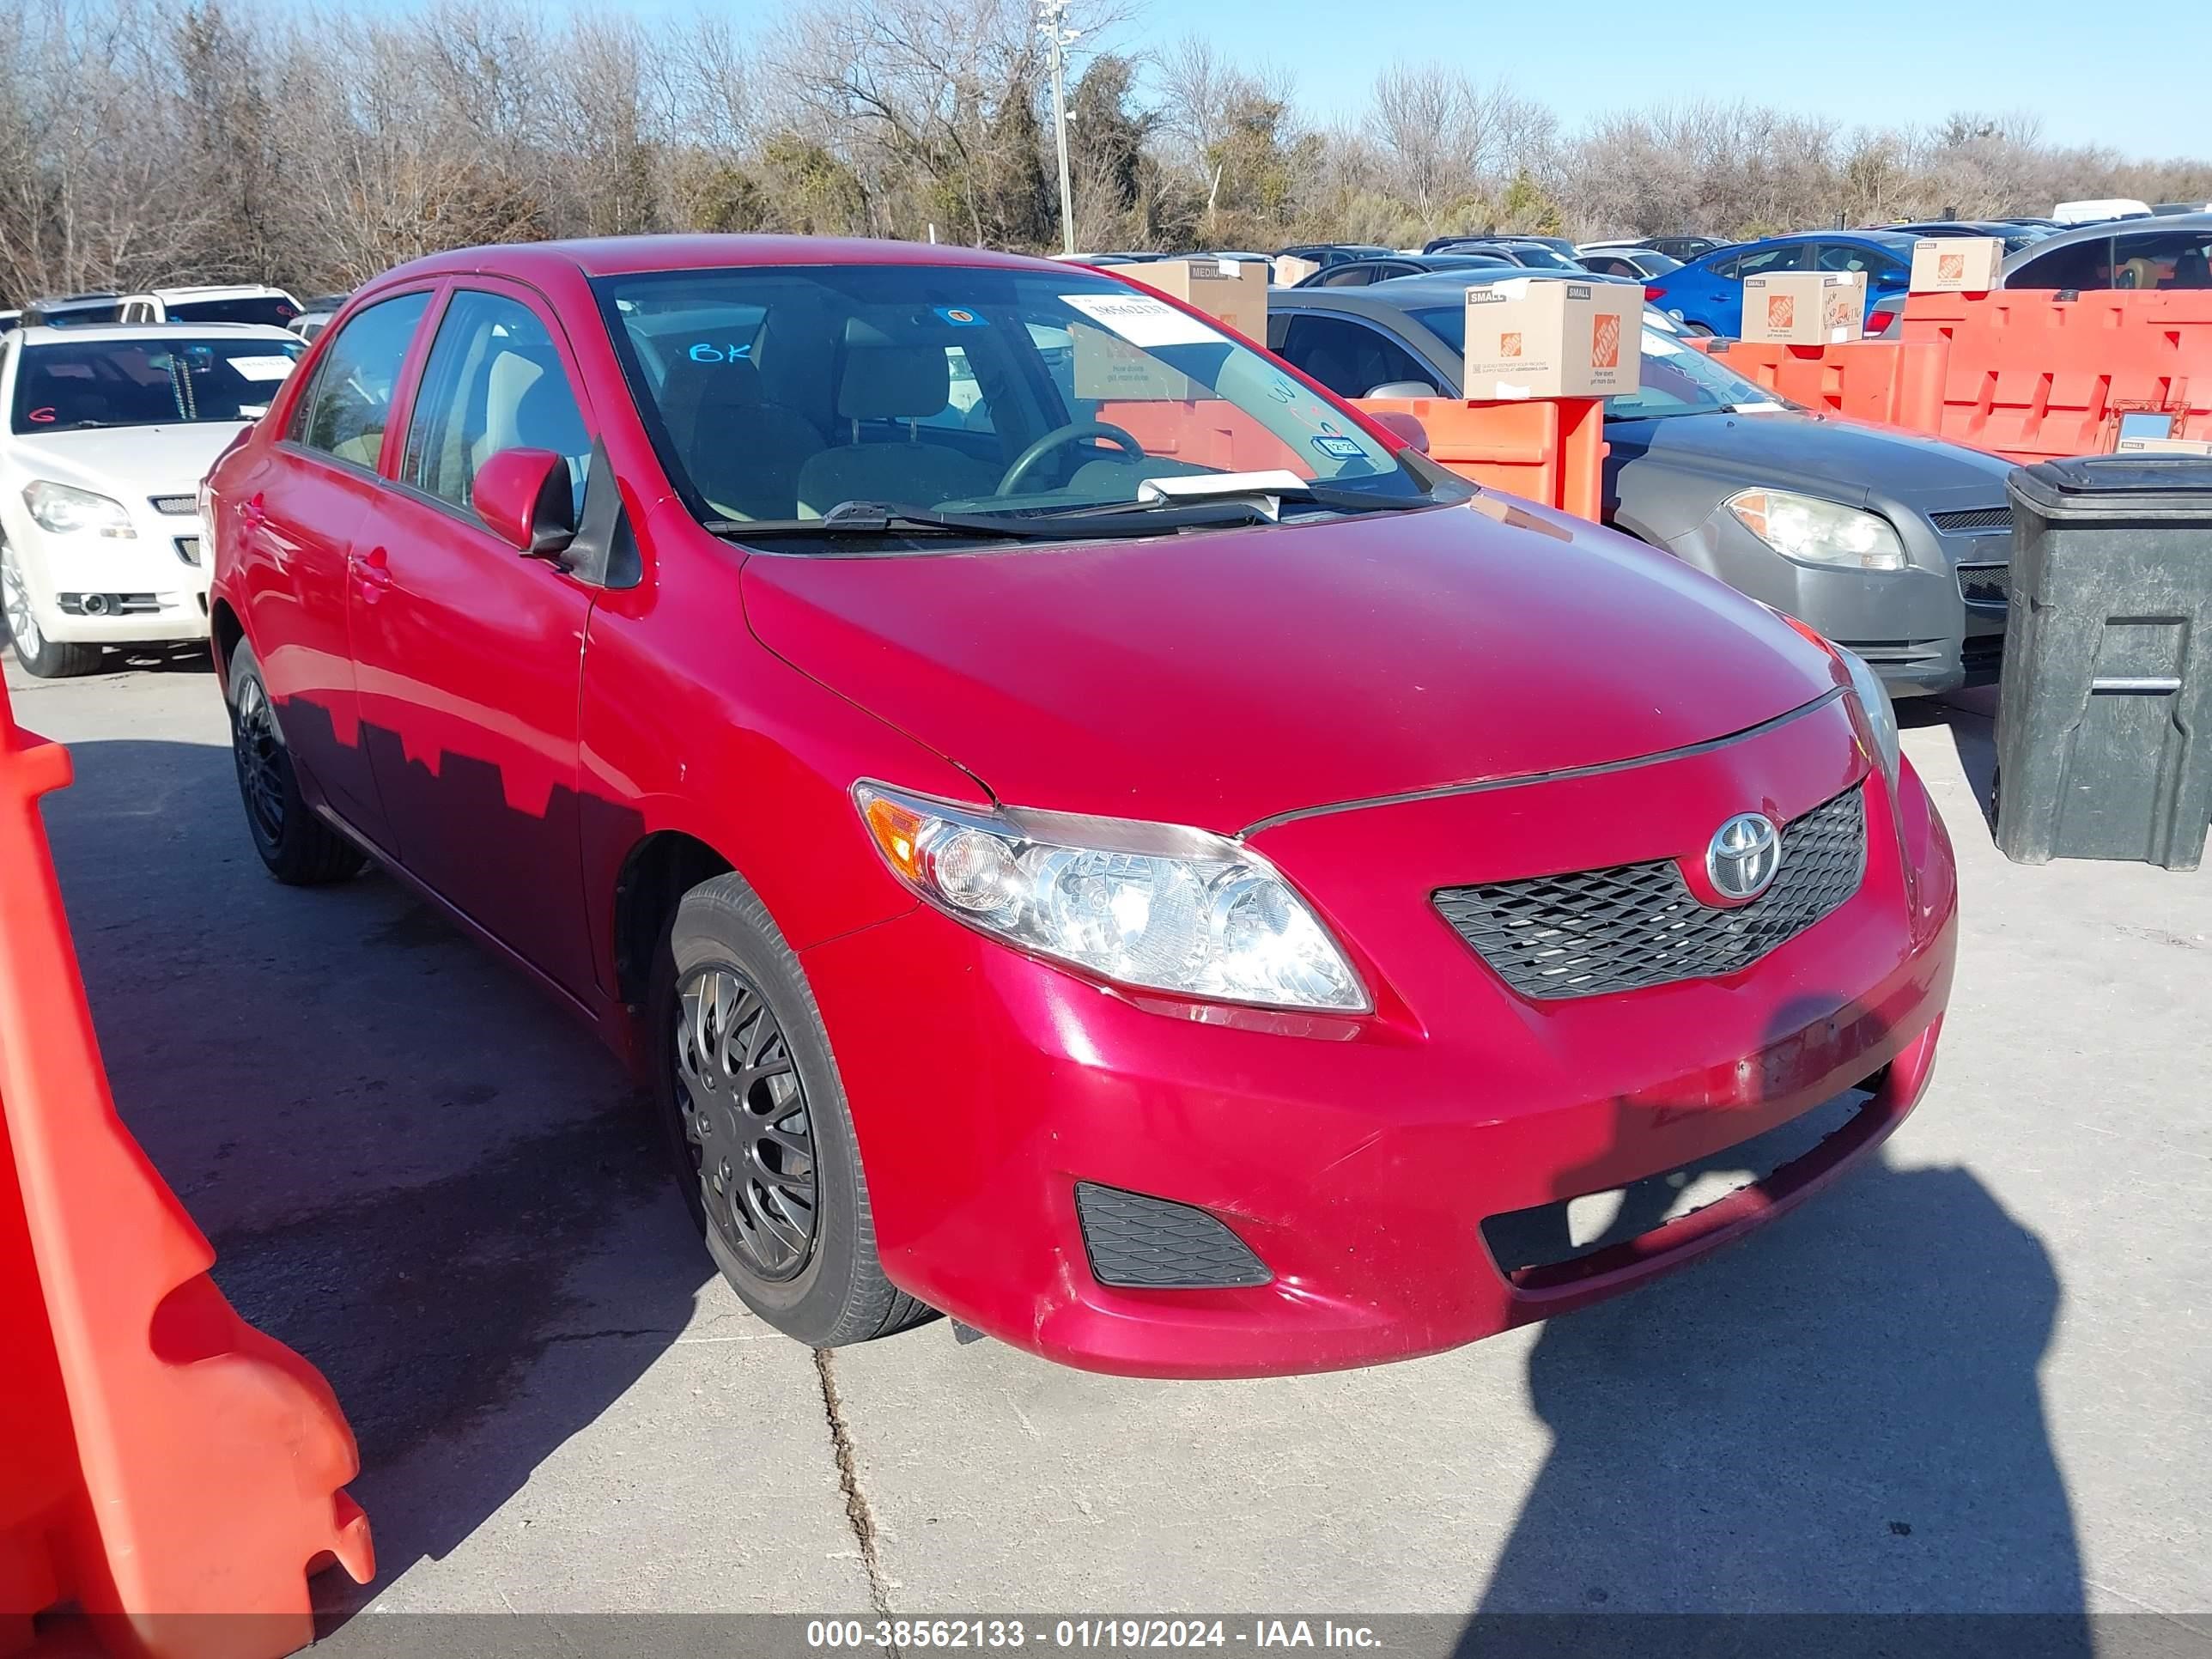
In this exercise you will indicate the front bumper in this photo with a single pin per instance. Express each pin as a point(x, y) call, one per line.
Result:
point(151, 589)
point(1358, 1158)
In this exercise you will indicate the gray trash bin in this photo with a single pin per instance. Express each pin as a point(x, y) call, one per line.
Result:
point(2105, 717)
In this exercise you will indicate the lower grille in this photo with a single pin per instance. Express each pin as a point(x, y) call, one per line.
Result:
point(1985, 584)
point(1151, 1243)
point(1635, 926)
point(1976, 517)
point(188, 549)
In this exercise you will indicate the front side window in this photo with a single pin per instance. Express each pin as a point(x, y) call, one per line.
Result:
point(956, 389)
point(1853, 256)
point(348, 408)
point(494, 381)
point(158, 382)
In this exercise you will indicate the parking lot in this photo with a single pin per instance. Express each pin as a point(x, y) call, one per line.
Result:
point(1973, 1379)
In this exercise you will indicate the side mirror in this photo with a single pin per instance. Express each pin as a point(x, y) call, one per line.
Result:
point(1400, 424)
point(528, 499)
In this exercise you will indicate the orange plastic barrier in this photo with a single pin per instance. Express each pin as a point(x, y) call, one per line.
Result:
point(1207, 432)
point(1550, 450)
point(165, 1469)
point(1888, 382)
point(2033, 376)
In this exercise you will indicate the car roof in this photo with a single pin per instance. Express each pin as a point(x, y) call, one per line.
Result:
point(215, 291)
point(40, 334)
point(624, 256)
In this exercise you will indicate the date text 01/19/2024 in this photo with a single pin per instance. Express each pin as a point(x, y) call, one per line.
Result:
point(1125, 1632)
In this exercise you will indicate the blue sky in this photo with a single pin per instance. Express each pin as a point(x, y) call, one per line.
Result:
point(2133, 74)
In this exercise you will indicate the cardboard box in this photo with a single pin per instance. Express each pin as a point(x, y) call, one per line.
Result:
point(1108, 366)
point(1291, 270)
point(1804, 307)
point(1232, 291)
point(1956, 265)
point(2163, 446)
point(1536, 338)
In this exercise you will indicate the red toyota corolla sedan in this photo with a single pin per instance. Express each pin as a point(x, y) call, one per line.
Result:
point(1084, 831)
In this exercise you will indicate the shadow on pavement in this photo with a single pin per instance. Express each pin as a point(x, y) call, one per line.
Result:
point(414, 1169)
point(1972, 717)
point(1859, 1433)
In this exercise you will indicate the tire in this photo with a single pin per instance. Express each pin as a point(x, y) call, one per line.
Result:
point(48, 660)
point(298, 847)
point(768, 1168)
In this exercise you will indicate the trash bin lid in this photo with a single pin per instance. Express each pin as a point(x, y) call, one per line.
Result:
point(2148, 486)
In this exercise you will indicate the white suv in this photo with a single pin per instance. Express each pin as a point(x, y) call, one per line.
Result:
point(246, 302)
point(104, 436)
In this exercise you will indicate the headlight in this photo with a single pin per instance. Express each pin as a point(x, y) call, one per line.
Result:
point(1881, 714)
point(68, 511)
point(1806, 528)
point(1145, 904)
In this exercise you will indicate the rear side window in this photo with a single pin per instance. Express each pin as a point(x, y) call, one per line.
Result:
point(2086, 265)
point(494, 382)
point(346, 411)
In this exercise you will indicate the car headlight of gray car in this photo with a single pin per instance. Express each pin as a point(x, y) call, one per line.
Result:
point(1815, 531)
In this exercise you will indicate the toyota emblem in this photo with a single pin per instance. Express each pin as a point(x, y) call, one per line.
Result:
point(1743, 855)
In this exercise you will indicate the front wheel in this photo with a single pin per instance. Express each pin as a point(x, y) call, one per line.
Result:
point(48, 660)
point(298, 847)
point(758, 1126)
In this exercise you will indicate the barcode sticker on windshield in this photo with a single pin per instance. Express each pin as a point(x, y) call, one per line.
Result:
point(1141, 321)
point(274, 367)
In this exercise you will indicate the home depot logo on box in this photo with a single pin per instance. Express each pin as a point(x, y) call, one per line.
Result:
point(1951, 267)
point(1528, 337)
point(1605, 341)
point(1781, 311)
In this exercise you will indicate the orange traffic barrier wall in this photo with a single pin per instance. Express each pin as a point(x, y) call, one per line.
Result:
point(2033, 376)
point(1549, 450)
point(1886, 381)
point(165, 1470)
point(1205, 432)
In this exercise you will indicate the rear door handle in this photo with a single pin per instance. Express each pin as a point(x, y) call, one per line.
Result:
point(372, 573)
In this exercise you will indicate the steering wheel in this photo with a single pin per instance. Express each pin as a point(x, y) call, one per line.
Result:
point(1058, 438)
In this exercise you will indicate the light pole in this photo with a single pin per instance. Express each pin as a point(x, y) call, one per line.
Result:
point(1051, 24)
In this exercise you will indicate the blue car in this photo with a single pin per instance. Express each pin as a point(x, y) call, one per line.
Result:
point(1706, 295)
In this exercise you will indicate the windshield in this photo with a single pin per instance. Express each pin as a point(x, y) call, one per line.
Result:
point(270, 308)
point(148, 382)
point(1675, 378)
point(778, 393)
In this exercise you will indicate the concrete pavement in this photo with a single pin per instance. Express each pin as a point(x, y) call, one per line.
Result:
point(1976, 1378)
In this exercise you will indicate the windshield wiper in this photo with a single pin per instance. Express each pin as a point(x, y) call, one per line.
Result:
point(1235, 492)
point(888, 519)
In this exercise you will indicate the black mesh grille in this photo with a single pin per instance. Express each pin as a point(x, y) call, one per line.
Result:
point(1150, 1243)
point(176, 507)
point(1972, 518)
point(1984, 584)
point(188, 549)
point(1639, 925)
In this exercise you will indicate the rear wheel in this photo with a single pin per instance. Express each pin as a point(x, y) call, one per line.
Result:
point(50, 660)
point(299, 849)
point(757, 1124)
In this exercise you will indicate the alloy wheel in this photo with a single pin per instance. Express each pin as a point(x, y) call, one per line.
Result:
point(746, 1121)
point(16, 602)
point(259, 751)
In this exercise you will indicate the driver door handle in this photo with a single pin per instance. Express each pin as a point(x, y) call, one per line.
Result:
point(372, 574)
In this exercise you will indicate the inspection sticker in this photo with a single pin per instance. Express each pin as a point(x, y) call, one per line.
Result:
point(958, 316)
point(1142, 321)
point(273, 367)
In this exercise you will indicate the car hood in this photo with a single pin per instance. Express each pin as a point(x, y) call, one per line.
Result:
point(1217, 679)
point(127, 461)
point(1840, 460)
